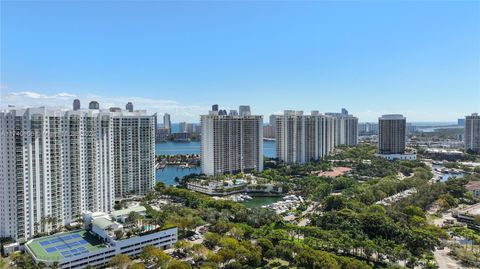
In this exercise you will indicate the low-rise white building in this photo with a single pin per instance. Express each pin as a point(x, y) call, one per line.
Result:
point(103, 239)
point(232, 186)
point(393, 157)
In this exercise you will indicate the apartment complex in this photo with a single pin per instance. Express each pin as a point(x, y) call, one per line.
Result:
point(392, 134)
point(167, 124)
point(191, 128)
point(472, 133)
point(302, 138)
point(269, 131)
point(105, 238)
point(367, 128)
point(231, 143)
point(392, 138)
point(55, 165)
point(346, 128)
point(133, 152)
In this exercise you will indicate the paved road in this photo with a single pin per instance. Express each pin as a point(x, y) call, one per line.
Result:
point(446, 262)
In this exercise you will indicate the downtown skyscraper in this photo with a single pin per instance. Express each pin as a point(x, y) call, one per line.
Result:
point(303, 138)
point(231, 143)
point(55, 165)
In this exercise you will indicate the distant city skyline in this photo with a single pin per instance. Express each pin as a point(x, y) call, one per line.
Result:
point(419, 59)
point(61, 101)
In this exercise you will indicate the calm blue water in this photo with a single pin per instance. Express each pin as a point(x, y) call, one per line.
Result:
point(269, 149)
point(172, 148)
point(168, 174)
point(446, 176)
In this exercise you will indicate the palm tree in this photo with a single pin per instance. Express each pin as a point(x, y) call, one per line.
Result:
point(44, 221)
point(49, 221)
point(35, 225)
point(53, 221)
point(41, 265)
point(55, 265)
point(79, 219)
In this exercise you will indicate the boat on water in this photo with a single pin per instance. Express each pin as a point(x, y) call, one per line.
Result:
point(240, 197)
point(159, 166)
point(186, 166)
point(246, 196)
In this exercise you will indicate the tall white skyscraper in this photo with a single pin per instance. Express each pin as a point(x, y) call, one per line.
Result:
point(346, 128)
point(231, 143)
point(55, 165)
point(167, 124)
point(472, 133)
point(134, 152)
point(302, 138)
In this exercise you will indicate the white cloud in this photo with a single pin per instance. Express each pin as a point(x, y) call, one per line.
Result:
point(63, 100)
point(36, 95)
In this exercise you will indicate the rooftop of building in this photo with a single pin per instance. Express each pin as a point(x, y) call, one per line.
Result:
point(228, 116)
point(83, 111)
point(473, 210)
point(126, 211)
point(392, 117)
point(57, 247)
point(444, 151)
point(102, 223)
point(473, 115)
point(473, 185)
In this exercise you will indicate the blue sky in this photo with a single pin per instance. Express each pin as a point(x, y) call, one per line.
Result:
point(421, 58)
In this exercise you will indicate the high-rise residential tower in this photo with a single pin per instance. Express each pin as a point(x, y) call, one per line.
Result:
point(303, 138)
point(472, 133)
point(93, 105)
point(56, 165)
point(129, 107)
point(134, 152)
point(392, 138)
point(346, 128)
point(367, 128)
point(244, 110)
point(392, 134)
point(272, 119)
point(76, 104)
point(231, 143)
point(167, 124)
